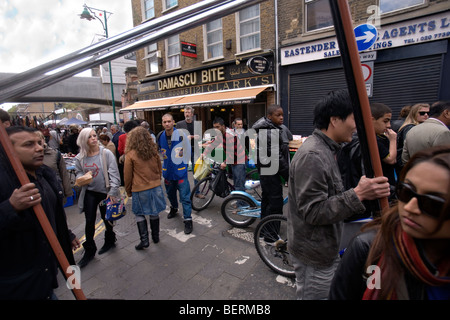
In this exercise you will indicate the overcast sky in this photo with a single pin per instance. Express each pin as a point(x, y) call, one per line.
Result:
point(33, 32)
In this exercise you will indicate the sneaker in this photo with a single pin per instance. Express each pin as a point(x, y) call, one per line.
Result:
point(172, 213)
point(187, 226)
point(200, 196)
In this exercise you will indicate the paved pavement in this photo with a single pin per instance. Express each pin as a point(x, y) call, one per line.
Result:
point(215, 262)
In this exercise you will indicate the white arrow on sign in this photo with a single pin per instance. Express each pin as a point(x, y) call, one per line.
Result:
point(367, 37)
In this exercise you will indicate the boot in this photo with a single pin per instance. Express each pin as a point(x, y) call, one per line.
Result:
point(154, 226)
point(143, 233)
point(187, 226)
point(110, 241)
point(172, 213)
point(87, 257)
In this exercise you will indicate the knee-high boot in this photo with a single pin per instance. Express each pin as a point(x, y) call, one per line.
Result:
point(154, 226)
point(143, 233)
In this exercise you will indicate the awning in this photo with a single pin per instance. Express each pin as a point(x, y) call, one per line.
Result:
point(208, 99)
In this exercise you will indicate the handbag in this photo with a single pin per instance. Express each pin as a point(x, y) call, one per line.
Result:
point(116, 210)
point(220, 184)
point(201, 169)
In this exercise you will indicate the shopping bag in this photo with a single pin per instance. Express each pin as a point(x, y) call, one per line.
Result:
point(220, 184)
point(116, 210)
point(201, 169)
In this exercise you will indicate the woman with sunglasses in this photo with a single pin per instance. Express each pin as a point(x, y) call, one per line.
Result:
point(418, 114)
point(404, 254)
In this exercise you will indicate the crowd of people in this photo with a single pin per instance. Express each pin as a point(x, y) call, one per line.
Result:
point(408, 243)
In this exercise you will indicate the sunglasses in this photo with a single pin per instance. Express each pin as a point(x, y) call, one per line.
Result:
point(422, 113)
point(428, 204)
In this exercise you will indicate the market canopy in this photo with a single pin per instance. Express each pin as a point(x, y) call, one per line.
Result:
point(208, 99)
point(74, 121)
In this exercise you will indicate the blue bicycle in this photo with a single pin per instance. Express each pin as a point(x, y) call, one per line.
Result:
point(241, 208)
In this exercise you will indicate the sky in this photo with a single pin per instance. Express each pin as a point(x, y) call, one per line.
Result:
point(33, 32)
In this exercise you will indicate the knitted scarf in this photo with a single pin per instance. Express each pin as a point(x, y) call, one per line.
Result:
point(413, 263)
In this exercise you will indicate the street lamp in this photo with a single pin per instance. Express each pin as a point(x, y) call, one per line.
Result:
point(89, 14)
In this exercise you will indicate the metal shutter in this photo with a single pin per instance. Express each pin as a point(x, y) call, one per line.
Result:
point(304, 91)
point(395, 83)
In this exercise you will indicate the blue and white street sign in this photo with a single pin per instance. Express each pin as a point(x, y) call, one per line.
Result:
point(366, 35)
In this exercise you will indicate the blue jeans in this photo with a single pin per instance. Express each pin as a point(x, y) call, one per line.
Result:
point(185, 195)
point(239, 177)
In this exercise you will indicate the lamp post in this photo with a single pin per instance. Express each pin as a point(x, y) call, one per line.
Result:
point(89, 14)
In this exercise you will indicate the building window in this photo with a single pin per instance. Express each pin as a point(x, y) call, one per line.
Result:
point(389, 5)
point(318, 14)
point(149, 9)
point(214, 39)
point(151, 59)
point(173, 52)
point(249, 29)
point(170, 4)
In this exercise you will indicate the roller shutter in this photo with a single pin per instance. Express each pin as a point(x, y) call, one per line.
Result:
point(395, 83)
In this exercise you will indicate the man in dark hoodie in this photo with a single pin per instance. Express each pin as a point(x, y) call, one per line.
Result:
point(272, 160)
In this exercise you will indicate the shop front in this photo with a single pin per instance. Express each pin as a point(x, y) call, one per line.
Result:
point(409, 63)
point(227, 90)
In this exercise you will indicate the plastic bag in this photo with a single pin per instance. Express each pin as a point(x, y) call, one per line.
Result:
point(201, 169)
point(220, 184)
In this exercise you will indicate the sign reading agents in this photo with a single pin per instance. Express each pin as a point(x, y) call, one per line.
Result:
point(429, 28)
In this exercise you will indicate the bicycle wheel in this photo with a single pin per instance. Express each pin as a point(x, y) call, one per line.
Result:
point(201, 194)
point(271, 244)
point(235, 205)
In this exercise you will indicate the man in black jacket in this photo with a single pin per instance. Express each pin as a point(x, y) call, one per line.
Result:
point(28, 267)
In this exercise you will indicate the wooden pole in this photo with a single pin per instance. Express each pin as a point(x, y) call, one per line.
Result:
point(355, 81)
point(39, 211)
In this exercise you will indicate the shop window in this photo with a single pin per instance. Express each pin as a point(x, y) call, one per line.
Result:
point(173, 52)
point(248, 29)
point(151, 59)
point(214, 39)
point(170, 4)
point(149, 9)
point(318, 14)
point(389, 5)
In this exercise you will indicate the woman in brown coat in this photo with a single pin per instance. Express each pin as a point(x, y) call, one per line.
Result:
point(142, 176)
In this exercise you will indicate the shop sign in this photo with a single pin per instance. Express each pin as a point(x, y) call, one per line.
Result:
point(258, 65)
point(420, 30)
point(188, 49)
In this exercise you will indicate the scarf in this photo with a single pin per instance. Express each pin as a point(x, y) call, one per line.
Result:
point(413, 263)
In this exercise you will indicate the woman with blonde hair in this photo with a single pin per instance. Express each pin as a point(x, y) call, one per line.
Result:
point(405, 254)
point(418, 114)
point(142, 176)
point(105, 185)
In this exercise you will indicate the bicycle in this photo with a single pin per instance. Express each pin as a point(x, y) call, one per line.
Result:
point(241, 209)
point(271, 242)
point(202, 193)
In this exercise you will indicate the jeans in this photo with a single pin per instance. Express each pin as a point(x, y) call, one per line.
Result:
point(313, 283)
point(185, 195)
point(239, 177)
point(91, 202)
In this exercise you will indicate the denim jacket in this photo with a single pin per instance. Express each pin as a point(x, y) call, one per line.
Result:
point(318, 202)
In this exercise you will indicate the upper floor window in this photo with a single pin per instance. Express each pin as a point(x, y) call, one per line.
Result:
point(318, 14)
point(169, 4)
point(151, 59)
point(173, 52)
point(149, 9)
point(249, 29)
point(214, 39)
point(389, 5)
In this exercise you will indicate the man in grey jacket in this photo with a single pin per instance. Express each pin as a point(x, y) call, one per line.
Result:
point(318, 202)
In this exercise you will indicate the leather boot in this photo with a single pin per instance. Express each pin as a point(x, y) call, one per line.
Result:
point(187, 226)
point(110, 241)
point(87, 257)
point(154, 226)
point(143, 233)
point(172, 213)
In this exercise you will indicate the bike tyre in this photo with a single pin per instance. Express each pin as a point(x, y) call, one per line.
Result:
point(208, 193)
point(243, 221)
point(272, 259)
